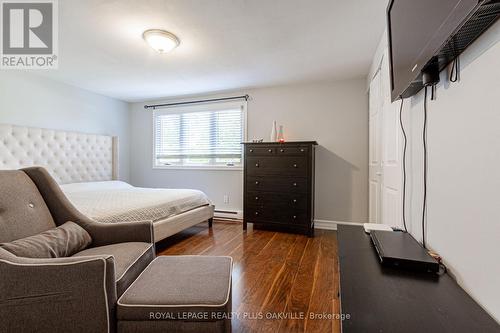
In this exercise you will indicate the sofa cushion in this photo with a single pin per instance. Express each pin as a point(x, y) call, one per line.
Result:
point(130, 260)
point(23, 211)
point(63, 241)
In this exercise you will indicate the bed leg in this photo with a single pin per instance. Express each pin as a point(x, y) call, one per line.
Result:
point(210, 222)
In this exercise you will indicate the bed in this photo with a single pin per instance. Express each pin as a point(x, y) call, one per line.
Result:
point(116, 201)
point(86, 168)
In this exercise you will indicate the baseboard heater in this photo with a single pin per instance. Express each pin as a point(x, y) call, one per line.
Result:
point(228, 214)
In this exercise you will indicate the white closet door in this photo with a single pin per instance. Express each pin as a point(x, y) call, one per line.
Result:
point(391, 153)
point(385, 152)
point(375, 145)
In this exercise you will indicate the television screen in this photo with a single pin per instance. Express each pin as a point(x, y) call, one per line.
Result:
point(417, 31)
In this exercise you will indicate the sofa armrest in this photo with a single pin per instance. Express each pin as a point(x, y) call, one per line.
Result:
point(119, 232)
point(57, 295)
point(62, 210)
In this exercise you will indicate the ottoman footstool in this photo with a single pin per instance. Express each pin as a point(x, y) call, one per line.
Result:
point(179, 294)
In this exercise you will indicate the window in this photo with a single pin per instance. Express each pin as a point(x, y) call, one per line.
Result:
point(200, 136)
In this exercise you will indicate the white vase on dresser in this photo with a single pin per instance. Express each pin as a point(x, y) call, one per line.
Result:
point(274, 133)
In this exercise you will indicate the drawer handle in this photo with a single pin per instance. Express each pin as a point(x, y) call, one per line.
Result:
point(256, 165)
point(302, 150)
point(251, 150)
point(282, 150)
point(256, 213)
point(256, 198)
point(295, 165)
point(295, 184)
point(270, 150)
point(257, 182)
point(294, 200)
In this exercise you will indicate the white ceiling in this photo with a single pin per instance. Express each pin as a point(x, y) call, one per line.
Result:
point(225, 44)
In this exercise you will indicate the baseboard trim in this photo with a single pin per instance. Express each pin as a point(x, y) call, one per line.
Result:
point(332, 225)
point(318, 224)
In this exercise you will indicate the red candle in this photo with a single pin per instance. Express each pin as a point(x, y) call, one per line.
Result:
point(281, 136)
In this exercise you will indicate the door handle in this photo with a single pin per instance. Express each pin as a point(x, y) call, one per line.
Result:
point(378, 173)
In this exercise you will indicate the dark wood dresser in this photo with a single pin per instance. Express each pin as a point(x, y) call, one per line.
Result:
point(279, 186)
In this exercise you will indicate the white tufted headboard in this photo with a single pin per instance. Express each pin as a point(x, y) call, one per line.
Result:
point(70, 157)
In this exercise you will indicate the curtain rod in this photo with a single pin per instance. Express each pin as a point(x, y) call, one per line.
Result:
point(154, 106)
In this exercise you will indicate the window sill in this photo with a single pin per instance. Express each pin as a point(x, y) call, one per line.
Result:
point(199, 167)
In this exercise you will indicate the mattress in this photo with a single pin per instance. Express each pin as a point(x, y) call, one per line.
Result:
point(116, 201)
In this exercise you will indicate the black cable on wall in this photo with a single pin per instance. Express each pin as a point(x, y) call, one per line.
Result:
point(424, 139)
point(405, 140)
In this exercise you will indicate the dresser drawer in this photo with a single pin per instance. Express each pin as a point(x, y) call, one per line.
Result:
point(284, 165)
point(292, 151)
point(277, 184)
point(275, 216)
point(260, 151)
point(277, 200)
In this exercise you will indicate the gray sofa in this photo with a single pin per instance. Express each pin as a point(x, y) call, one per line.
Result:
point(63, 294)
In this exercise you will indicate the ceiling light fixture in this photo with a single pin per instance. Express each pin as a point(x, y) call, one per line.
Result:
point(161, 40)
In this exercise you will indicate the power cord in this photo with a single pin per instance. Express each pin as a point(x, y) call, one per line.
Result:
point(424, 139)
point(455, 70)
point(404, 161)
point(442, 267)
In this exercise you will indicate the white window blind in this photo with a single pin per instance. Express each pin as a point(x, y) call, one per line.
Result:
point(199, 136)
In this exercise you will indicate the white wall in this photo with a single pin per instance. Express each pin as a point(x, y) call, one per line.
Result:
point(463, 217)
point(31, 100)
point(333, 113)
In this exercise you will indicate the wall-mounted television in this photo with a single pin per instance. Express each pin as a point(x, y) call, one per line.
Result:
point(422, 32)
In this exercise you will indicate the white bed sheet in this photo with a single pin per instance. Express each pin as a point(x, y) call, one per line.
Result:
point(116, 201)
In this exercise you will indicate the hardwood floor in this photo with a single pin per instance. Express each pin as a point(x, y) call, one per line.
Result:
point(281, 282)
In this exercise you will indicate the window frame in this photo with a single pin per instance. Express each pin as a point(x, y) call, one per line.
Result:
point(201, 107)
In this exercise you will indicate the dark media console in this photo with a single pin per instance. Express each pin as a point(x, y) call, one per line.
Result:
point(386, 299)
